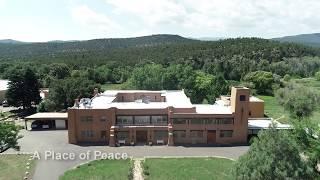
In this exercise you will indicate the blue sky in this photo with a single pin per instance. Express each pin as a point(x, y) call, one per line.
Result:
point(44, 20)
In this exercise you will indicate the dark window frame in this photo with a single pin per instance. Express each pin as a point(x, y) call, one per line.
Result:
point(242, 97)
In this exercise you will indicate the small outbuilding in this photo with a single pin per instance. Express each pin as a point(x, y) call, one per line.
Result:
point(47, 120)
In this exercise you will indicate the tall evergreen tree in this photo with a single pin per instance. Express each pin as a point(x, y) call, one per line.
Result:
point(23, 89)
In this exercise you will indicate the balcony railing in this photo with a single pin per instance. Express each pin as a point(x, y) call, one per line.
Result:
point(143, 124)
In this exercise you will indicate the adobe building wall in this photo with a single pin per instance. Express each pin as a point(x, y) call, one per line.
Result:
point(141, 111)
point(256, 109)
point(102, 120)
point(130, 97)
point(240, 107)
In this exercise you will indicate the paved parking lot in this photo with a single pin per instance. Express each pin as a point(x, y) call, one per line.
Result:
point(56, 141)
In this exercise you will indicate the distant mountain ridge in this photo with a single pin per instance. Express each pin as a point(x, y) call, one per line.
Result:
point(306, 39)
point(164, 48)
point(16, 50)
point(11, 41)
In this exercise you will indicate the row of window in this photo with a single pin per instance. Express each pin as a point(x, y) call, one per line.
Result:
point(157, 134)
point(141, 120)
point(200, 134)
point(204, 121)
point(90, 134)
point(90, 118)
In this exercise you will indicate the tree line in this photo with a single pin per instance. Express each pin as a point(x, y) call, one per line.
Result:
point(204, 70)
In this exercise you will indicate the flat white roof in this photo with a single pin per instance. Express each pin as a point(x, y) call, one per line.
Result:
point(48, 115)
point(255, 99)
point(4, 84)
point(174, 98)
point(212, 109)
point(265, 123)
point(115, 92)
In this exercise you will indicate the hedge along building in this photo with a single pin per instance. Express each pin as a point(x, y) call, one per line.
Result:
point(160, 117)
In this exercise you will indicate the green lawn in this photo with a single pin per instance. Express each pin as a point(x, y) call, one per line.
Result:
point(309, 82)
point(273, 109)
point(13, 167)
point(187, 168)
point(100, 170)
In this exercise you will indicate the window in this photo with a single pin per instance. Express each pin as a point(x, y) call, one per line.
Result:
point(211, 121)
point(103, 118)
point(226, 121)
point(160, 135)
point(179, 121)
point(122, 135)
point(196, 134)
point(226, 133)
point(179, 134)
point(159, 120)
point(197, 121)
point(87, 134)
point(86, 118)
point(124, 120)
point(142, 120)
point(103, 134)
point(242, 98)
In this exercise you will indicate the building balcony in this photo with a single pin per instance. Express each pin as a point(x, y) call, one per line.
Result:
point(142, 124)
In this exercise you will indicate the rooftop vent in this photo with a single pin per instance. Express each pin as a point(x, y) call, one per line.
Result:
point(86, 102)
point(144, 99)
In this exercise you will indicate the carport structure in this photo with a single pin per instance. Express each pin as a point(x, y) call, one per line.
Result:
point(50, 120)
point(257, 124)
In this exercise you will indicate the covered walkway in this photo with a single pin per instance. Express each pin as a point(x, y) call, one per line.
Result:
point(257, 124)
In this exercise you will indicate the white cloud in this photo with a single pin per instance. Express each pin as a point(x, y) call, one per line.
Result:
point(265, 18)
point(2, 3)
point(152, 12)
point(92, 20)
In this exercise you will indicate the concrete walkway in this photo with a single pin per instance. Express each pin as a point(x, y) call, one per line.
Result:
point(137, 170)
point(56, 141)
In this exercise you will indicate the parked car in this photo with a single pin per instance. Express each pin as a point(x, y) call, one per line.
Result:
point(5, 103)
point(38, 125)
point(3, 147)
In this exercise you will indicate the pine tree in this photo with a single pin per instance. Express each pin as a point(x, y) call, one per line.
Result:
point(23, 89)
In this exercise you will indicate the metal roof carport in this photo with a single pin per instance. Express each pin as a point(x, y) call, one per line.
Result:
point(257, 124)
point(45, 116)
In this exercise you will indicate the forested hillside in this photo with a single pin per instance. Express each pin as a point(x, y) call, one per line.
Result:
point(52, 49)
point(205, 69)
point(306, 39)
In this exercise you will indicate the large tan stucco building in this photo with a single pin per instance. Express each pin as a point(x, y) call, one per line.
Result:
point(161, 117)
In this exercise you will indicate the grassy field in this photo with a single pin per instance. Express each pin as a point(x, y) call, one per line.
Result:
point(13, 167)
point(275, 110)
point(308, 82)
point(187, 168)
point(100, 170)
